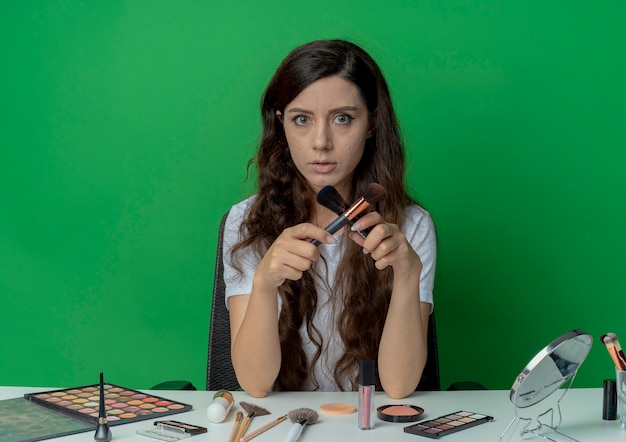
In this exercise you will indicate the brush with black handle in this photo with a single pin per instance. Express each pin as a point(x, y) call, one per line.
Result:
point(330, 198)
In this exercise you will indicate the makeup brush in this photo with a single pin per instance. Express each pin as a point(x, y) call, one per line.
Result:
point(375, 192)
point(615, 349)
point(263, 429)
point(103, 433)
point(235, 430)
point(252, 410)
point(610, 347)
point(300, 417)
point(330, 198)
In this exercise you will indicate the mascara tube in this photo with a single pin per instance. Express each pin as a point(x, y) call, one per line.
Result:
point(366, 394)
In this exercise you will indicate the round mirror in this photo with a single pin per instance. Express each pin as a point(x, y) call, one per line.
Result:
point(550, 368)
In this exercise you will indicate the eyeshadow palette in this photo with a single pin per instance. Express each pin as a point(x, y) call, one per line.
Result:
point(122, 404)
point(448, 424)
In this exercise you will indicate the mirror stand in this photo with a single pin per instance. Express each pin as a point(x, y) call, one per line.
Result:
point(539, 429)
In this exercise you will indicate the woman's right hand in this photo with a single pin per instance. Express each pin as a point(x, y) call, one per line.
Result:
point(290, 255)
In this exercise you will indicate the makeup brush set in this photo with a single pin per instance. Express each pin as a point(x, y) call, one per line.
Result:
point(300, 418)
point(614, 399)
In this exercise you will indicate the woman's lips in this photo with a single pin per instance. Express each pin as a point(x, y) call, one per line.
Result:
point(322, 167)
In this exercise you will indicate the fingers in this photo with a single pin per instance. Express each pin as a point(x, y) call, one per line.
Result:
point(386, 244)
point(291, 254)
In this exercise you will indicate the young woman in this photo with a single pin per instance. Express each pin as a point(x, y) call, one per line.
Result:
point(303, 316)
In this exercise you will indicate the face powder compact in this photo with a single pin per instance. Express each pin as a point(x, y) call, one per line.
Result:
point(399, 413)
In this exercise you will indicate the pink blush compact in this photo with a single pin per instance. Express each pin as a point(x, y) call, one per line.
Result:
point(399, 413)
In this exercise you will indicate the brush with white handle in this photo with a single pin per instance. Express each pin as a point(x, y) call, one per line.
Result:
point(300, 417)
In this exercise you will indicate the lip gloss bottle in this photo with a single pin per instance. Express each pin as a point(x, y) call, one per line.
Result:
point(366, 394)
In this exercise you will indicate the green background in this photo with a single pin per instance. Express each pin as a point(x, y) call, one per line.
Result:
point(125, 128)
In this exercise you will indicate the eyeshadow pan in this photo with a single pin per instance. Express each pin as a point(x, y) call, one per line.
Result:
point(447, 424)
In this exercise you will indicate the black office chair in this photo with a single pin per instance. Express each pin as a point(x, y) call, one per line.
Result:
point(220, 374)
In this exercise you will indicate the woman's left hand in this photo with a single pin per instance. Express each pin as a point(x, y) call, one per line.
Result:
point(387, 245)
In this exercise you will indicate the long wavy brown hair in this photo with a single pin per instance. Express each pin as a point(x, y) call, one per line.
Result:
point(284, 199)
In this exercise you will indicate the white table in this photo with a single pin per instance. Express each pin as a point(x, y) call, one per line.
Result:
point(582, 411)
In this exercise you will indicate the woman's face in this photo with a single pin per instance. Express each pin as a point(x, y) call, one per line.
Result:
point(326, 127)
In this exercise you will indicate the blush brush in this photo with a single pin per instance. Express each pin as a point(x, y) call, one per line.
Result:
point(301, 417)
point(331, 199)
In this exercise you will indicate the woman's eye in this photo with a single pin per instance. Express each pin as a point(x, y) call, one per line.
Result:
point(301, 120)
point(343, 119)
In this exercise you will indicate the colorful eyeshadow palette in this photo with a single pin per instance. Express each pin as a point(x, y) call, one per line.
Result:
point(123, 405)
point(448, 424)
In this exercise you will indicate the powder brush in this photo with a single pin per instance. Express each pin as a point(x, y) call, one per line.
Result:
point(252, 410)
point(348, 214)
point(300, 417)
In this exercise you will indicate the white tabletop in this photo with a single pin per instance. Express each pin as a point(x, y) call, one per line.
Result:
point(581, 410)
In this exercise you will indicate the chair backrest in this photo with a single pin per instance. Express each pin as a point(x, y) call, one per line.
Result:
point(220, 374)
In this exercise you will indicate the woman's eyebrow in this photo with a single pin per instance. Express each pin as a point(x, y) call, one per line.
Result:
point(297, 110)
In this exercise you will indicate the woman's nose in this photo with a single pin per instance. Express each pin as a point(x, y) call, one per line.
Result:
point(322, 136)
